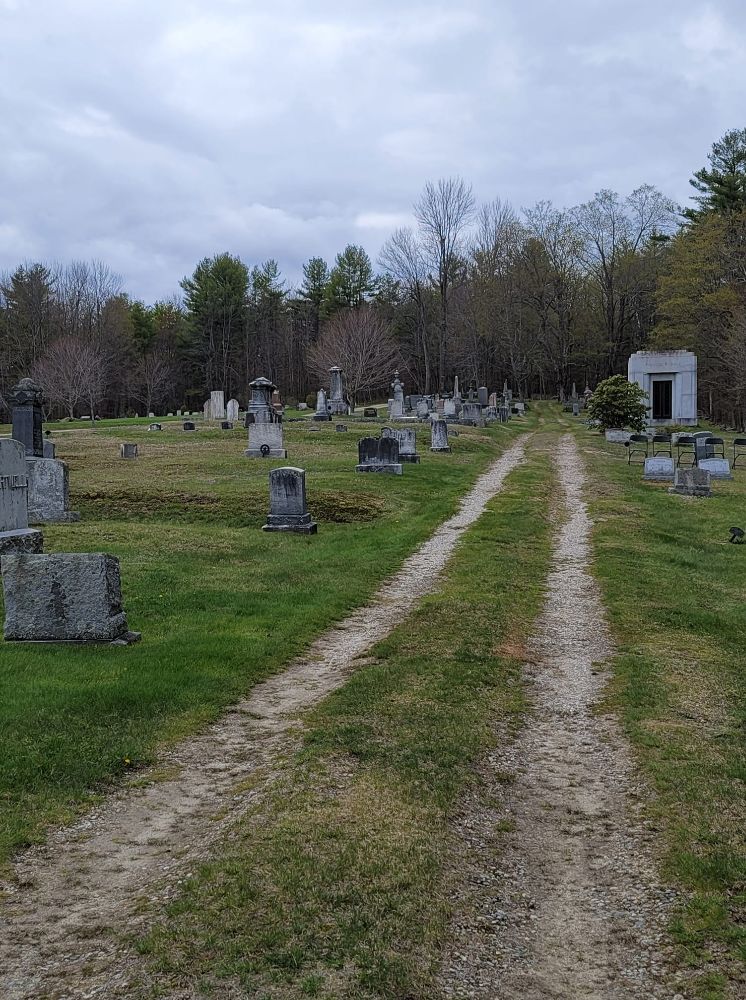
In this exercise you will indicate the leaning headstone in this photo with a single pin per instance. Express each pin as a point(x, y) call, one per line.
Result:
point(15, 534)
point(659, 469)
point(231, 410)
point(49, 449)
point(264, 422)
point(370, 411)
point(25, 401)
point(719, 468)
point(439, 436)
point(155, 427)
point(322, 409)
point(692, 482)
point(188, 425)
point(217, 404)
point(379, 455)
point(49, 492)
point(128, 451)
point(64, 597)
point(287, 502)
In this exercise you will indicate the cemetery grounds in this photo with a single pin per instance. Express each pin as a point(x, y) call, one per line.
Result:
point(379, 850)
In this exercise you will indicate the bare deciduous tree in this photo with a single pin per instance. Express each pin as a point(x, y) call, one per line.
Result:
point(73, 372)
point(360, 342)
point(402, 258)
point(154, 374)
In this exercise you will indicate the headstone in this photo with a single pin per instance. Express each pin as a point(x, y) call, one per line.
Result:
point(574, 394)
point(575, 408)
point(407, 438)
point(483, 395)
point(206, 410)
point(322, 409)
point(439, 436)
point(379, 455)
point(231, 410)
point(692, 483)
point(151, 415)
point(471, 414)
point(26, 400)
point(617, 436)
point(492, 401)
point(449, 408)
point(15, 534)
point(370, 411)
point(701, 449)
point(277, 401)
point(49, 449)
point(397, 403)
point(287, 502)
point(520, 407)
point(338, 401)
point(64, 597)
point(217, 404)
point(128, 451)
point(503, 413)
point(155, 427)
point(423, 410)
point(302, 406)
point(189, 426)
point(456, 392)
point(659, 469)
point(49, 492)
point(178, 413)
point(226, 425)
point(341, 428)
point(719, 468)
point(264, 422)
point(440, 406)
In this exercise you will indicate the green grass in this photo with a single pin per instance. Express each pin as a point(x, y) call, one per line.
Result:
point(220, 603)
point(333, 887)
point(676, 593)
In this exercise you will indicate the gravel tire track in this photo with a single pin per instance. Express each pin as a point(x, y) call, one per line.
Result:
point(65, 901)
point(557, 892)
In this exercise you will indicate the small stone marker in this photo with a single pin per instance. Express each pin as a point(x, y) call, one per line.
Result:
point(15, 534)
point(379, 455)
point(616, 436)
point(64, 597)
point(189, 426)
point(692, 483)
point(49, 449)
point(341, 428)
point(322, 410)
point(719, 468)
point(439, 436)
point(226, 425)
point(155, 427)
point(128, 451)
point(660, 469)
point(370, 411)
point(287, 502)
point(49, 492)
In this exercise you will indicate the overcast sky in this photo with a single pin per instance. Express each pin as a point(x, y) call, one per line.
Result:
point(152, 133)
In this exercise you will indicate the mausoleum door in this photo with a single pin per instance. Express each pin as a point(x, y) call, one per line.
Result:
point(662, 399)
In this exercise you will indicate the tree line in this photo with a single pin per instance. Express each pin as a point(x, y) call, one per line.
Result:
point(543, 297)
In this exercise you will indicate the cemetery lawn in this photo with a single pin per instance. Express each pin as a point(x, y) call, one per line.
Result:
point(333, 886)
point(221, 604)
point(675, 590)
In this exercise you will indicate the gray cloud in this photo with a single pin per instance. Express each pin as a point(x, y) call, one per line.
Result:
point(152, 134)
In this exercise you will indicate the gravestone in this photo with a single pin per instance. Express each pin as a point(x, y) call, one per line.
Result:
point(322, 408)
point(302, 406)
point(702, 450)
point(128, 451)
point(155, 427)
point(423, 409)
point(471, 414)
point(617, 436)
point(341, 428)
point(719, 468)
point(231, 410)
point(379, 455)
point(575, 408)
point(217, 404)
point(338, 401)
point(178, 413)
point(439, 436)
point(49, 492)
point(25, 401)
point(659, 469)
point(483, 395)
point(64, 597)
point(692, 483)
point(264, 422)
point(449, 408)
point(407, 439)
point(492, 401)
point(226, 425)
point(15, 534)
point(49, 449)
point(206, 410)
point(189, 426)
point(397, 403)
point(370, 411)
point(520, 407)
point(287, 502)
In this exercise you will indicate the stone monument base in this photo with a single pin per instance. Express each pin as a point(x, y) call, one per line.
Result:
point(300, 524)
point(23, 540)
point(393, 469)
point(322, 416)
point(409, 458)
point(270, 453)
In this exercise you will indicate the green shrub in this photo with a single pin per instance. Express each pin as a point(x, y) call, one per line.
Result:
point(618, 403)
point(311, 401)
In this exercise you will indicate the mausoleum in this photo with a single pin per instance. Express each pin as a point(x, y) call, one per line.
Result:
point(670, 380)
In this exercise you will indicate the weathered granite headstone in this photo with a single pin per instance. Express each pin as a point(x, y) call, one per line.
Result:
point(407, 438)
point(322, 408)
point(264, 422)
point(379, 455)
point(155, 427)
point(206, 410)
point(64, 597)
point(302, 406)
point(226, 425)
point(370, 411)
point(231, 410)
point(692, 483)
point(15, 534)
point(520, 407)
point(701, 449)
point(659, 469)
point(189, 426)
point(719, 468)
point(483, 395)
point(575, 408)
point(423, 410)
point(492, 401)
point(449, 408)
point(217, 404)
point(439, 436)
point(341, 428)
point(338, 401)
point(128, 451)
point(287, 502)
point(49, 492)
point(49, 449)
point(616, 436)
point(26, 416)
point(471, 414)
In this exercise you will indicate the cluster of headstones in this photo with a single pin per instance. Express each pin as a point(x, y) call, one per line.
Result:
point(695, 480)
point(478, 408)
point(59, 597)
point(336, 402)
point(575, 404)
